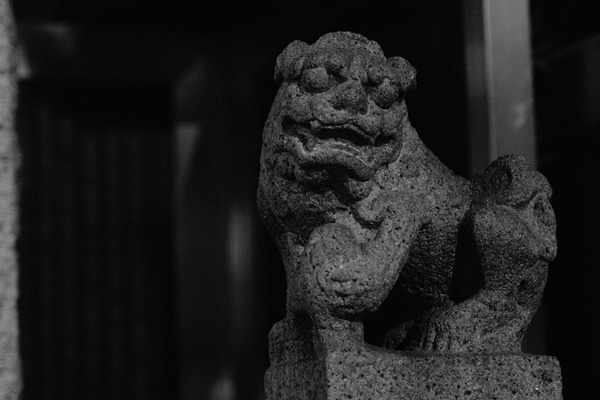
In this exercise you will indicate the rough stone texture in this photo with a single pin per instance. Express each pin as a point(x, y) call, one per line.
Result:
point(366, 372)
point(363, 213)
point(10, 382)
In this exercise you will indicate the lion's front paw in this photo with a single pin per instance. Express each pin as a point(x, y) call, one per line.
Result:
point(335, 256)
point(344, 279)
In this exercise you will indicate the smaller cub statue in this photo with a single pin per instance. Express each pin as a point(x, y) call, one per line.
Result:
point(360, 208)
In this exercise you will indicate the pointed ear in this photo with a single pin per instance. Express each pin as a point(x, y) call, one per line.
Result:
point(406, 72)
point(289, 62)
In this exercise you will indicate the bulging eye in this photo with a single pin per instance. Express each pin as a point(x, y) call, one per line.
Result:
point(376, 74)
point(385, 94)
point(335, 63)
point(315, 79)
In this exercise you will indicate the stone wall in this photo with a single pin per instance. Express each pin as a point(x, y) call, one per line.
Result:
point(10, 382)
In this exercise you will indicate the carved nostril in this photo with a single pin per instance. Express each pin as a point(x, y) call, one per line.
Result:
point(350, 96)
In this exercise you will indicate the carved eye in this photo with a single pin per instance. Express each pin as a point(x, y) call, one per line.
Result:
point(335, 64)
point(376, 74)
point(315, 79)
point(385, 94)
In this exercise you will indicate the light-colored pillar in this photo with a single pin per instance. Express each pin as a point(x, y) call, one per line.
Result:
point(499, 80)
point(10, 380)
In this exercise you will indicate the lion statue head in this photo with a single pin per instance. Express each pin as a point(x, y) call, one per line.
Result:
point(335, 122)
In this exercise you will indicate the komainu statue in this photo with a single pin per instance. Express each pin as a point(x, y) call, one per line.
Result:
point(363, 212)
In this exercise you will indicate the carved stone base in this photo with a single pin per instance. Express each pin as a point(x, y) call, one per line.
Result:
point(371, 373)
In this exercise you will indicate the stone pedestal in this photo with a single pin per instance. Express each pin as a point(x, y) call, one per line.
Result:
point(385, 375)
point(301, 371)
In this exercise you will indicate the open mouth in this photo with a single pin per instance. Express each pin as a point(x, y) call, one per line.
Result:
point(344, 146)
point(346, 137)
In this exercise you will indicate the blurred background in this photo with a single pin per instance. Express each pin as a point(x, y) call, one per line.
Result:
point(144, 270)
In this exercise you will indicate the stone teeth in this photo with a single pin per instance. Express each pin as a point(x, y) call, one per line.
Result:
point(311, 143)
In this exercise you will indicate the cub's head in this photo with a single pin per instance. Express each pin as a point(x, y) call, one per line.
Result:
point(339, 110)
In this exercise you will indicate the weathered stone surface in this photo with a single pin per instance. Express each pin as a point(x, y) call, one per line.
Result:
point(299, 371)
point(10, 382)
point(361, 211)
point(386, 376)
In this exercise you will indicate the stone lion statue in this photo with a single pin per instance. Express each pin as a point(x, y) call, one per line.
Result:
point(359, 207)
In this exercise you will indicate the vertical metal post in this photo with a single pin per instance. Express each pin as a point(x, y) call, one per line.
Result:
point(499, 80)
